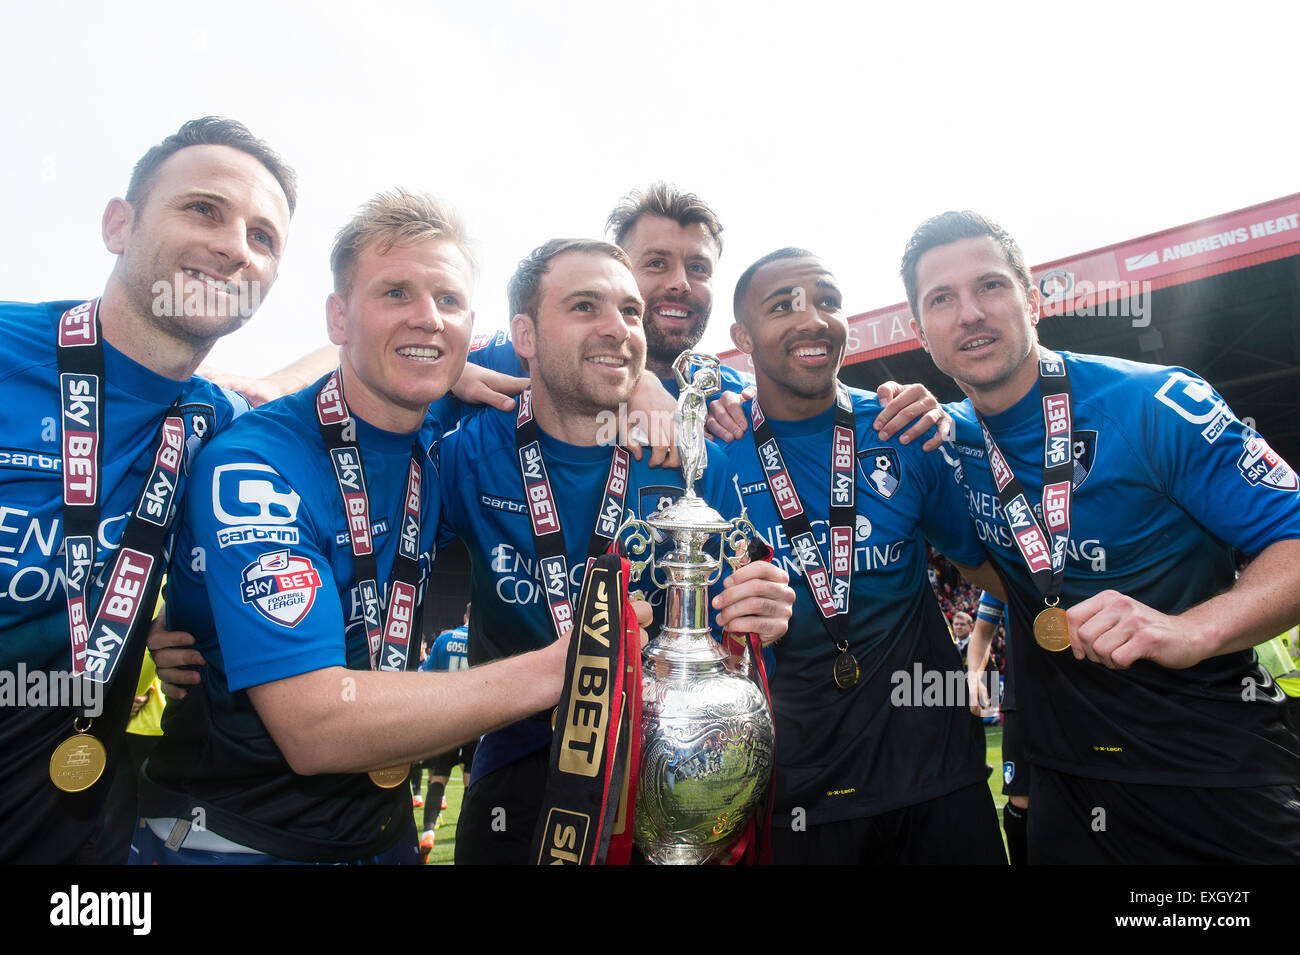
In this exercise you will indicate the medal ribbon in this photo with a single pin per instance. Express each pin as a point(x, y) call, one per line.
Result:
point(1042, 543)
point(544, 515)
point(388, 646)
point(830, 590)
point(591, 783)
point(128, 596)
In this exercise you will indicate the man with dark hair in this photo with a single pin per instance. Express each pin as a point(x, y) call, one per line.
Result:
point(210, 131)
point(674, 241)
point(302, 563)
point(872, 766)
point(580, 329)
point(101, 419)
point(1158, 738)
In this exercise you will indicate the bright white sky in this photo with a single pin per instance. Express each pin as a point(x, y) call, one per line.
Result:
point(833, 126)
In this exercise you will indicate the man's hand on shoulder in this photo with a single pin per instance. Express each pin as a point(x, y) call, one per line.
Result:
point(727, 421)
point(757, 598)
point(292, 377)
point(904, 404)
point(652, 403)
point(483, 386)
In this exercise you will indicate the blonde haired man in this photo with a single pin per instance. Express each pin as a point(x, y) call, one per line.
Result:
point(301, 574)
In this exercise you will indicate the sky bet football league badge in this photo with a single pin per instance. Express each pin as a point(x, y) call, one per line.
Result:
point(281, 587)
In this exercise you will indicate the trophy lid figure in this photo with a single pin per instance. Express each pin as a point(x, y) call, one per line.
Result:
point(693, 410)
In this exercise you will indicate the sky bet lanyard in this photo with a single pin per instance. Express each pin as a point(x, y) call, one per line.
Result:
point(338, 431)
point(830, 592)
point(388, 647)
point(548, 535)
point(1042, 543)
point(99, 641)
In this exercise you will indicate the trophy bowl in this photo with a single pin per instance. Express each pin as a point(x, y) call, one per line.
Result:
point(707, 735)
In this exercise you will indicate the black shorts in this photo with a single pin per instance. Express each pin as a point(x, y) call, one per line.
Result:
point(960, 828)
point(443, 765)
point(1015, 768)
point(1096, 822)
point(500, 812)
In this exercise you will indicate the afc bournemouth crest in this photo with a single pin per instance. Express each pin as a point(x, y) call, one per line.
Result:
point(199, 420)
point(880, 468)
point(656, 497)
point(281, 586)
point(1084, 450)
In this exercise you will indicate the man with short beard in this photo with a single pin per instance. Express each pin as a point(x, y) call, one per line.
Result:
point(577, 321)
point(674, 240)
point(198, 240)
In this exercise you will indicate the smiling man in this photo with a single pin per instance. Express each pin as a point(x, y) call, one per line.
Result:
point(864, 773)
point(301, 568)
point(1110, 495)
point(578, 322)
point(100, 417)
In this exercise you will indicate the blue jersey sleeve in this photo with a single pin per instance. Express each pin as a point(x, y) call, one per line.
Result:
point(945, 521)
point(496, 351)
point(1215, 467)
point(274, 605)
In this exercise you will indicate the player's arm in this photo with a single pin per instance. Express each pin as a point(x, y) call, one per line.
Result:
point(978, 651)
point(336, 720)
point(1115, 630)
point(1239, 490)
point(650, 402)
point(985, 577)
point(904, 406)
point(912, 407)
point(292, 377)
point(483, 386)
point(946, 522)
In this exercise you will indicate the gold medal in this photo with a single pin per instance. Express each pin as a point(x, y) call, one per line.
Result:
point(77, 763)
point(1052, 630)
point(391, 777)
point(846, 670)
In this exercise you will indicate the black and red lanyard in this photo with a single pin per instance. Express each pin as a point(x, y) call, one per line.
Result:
point(544, 514)
point(99, 640)
point(388, 645)
point(1042, 542)
point(828, 584)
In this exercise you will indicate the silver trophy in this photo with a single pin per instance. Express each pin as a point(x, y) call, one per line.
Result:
point(706, 729)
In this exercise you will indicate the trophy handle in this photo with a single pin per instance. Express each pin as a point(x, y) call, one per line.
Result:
point(740, 536)
point(636, 540)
